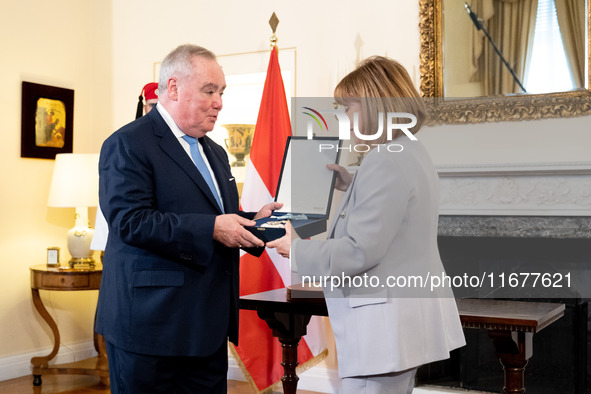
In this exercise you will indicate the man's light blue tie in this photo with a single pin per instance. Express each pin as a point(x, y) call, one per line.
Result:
point(202, 167)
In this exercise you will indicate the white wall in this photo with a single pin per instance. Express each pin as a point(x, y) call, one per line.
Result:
point(537, 141)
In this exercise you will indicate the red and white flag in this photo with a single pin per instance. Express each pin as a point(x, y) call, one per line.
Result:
point(259, 353)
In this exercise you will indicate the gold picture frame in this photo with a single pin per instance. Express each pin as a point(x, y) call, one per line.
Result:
point(484, 109)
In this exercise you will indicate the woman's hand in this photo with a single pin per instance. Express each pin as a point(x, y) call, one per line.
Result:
point(344, 177)
point(283, 244)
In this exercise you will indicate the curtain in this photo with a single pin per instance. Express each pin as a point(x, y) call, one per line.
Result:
point(571, 20)
point(512, 29)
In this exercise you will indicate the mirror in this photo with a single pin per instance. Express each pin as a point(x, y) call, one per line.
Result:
point(438, 72)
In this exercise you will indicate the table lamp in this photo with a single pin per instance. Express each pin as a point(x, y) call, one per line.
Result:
point(75, 185)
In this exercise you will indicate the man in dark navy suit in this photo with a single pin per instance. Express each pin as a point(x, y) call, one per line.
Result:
point(169, 295)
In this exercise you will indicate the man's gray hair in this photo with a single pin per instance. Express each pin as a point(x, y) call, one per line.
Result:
point(178, 62)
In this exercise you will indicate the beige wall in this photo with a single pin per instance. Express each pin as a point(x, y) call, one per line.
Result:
point(105, 51)
point(65, 43)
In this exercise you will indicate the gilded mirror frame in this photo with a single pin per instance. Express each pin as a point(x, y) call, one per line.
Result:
point(486, 109)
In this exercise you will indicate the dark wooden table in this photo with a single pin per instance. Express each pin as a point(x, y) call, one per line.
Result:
point(510, 325)
point(288, 321)
point(66, 279)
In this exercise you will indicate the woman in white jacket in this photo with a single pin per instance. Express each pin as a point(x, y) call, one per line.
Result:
point(384, 238)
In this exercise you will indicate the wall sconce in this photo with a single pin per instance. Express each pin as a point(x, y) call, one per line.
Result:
point(75, 185)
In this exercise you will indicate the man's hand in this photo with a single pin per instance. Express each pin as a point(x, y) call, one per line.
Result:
point(283, 244)
point(229, 230)
point(344, 177)
point(268, 209)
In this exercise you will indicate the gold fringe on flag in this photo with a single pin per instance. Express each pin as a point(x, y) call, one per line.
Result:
point(300, 369)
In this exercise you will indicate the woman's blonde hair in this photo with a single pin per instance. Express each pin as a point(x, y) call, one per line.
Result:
point(381, 85)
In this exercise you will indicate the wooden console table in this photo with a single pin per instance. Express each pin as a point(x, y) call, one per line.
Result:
point(66, 279)
point(510, 325)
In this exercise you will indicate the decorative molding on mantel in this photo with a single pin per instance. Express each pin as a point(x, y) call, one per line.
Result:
point(557, 227)
point(535, 189)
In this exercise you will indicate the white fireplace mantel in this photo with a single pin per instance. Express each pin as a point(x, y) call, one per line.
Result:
point(535, 189)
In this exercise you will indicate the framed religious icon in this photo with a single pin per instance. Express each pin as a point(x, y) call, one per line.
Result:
point(47, 120)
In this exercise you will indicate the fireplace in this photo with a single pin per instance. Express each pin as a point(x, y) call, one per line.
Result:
point(520, 244)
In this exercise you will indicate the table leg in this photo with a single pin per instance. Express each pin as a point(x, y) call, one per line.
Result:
point(43, 362)
point(103, 362)
point(289, 328)
point(513, 350)
point(101, 349)
point(289, 362)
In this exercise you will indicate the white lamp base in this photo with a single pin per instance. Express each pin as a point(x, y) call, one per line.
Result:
point(79, 239)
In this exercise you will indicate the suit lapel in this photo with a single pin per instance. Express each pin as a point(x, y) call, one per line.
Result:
point(172, 147)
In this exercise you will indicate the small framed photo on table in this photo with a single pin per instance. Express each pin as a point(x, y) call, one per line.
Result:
point(53, 256)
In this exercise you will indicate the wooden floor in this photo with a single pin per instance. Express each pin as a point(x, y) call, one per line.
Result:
point(79, 384)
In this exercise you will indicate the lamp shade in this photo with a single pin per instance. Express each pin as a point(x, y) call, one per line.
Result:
point(75, 181)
